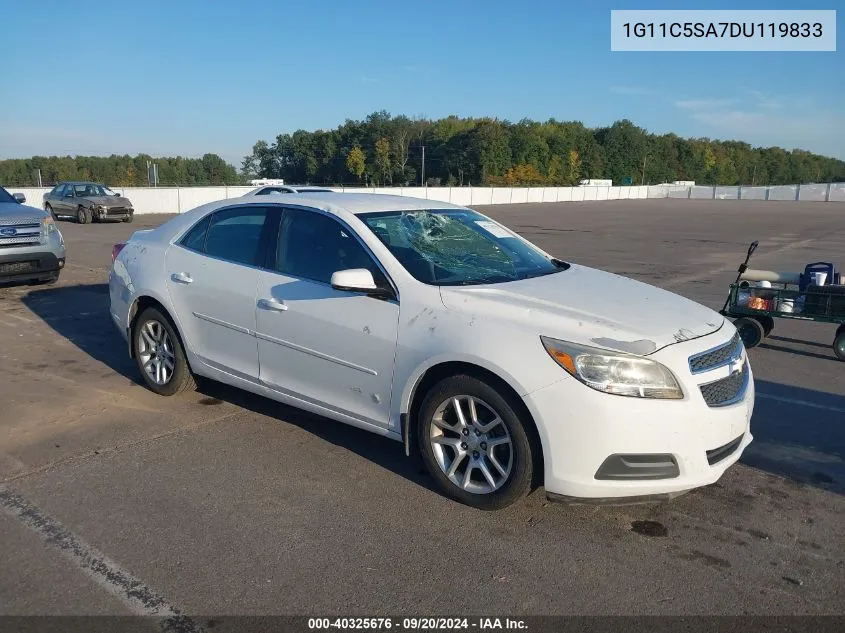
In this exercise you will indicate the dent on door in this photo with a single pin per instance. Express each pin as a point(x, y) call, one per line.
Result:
point(331, 347)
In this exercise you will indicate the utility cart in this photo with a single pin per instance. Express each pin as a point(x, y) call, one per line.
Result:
point(814, 295)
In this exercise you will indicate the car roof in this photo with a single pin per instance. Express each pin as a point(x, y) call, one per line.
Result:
point(337, 204)
point(357, 203)
point(79, 182)
point(299, 187)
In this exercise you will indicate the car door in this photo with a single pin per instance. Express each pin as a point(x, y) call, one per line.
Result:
point(49, 198)
point(58, 201)
point(330, 347)
point(211, 278)
point(71, 198)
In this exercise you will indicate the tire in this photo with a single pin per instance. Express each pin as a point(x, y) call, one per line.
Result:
point(155, 331)
point(441, 446)
point(129, 218)
point(839, 343)
point(768, 324)
point(750, 331)
point(83, 215)
point(49, 210)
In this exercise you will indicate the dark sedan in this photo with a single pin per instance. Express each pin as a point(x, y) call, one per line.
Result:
point(87, 202)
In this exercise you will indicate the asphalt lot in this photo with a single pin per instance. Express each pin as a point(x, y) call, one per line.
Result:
point(225, 503)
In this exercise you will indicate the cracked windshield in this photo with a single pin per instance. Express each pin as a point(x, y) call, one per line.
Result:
point(457, 248)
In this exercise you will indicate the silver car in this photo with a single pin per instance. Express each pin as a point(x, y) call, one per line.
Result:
point(32, 248)
point(272, 190)
point(87, 202)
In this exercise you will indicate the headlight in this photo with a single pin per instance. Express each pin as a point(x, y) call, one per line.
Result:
point(48, 225)
point(614, 372)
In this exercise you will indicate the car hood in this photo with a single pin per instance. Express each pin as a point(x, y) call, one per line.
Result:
point(13, 210)
point(109, 201)
point(591, 307)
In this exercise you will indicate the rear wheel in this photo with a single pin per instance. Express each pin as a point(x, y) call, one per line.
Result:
point(473, 443)
point(83, 215)
point(768, 324)
point(160, 355)
point(839, 343)
point(750, 331)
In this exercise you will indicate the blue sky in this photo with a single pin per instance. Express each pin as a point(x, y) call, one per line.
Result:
point(186, 77)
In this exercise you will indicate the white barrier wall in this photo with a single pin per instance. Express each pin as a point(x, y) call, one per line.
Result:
point(181, 199)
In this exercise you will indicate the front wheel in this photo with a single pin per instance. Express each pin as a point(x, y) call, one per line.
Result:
point(473, 443)
point(49, 210)
point(83, 215)
point(159, 354)
point(129, 217)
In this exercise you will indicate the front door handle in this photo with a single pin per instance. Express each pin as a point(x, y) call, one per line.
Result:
point(181, 278)
point(272, 304)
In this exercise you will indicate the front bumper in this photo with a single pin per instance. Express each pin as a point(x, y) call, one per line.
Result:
point(30, 264)
point(586, 435)
point(113, 214)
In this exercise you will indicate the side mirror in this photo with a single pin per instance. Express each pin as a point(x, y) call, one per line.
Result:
point(19, 197)
point(357, 280)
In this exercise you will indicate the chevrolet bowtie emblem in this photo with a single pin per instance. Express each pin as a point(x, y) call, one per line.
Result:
point(736, 365)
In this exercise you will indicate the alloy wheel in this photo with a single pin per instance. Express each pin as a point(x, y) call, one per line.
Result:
point(156, 352)
point(471, 444)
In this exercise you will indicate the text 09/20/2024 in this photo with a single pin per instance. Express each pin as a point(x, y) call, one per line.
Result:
point(418, 623)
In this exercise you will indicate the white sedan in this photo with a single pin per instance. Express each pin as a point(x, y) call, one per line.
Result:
point(431, 324)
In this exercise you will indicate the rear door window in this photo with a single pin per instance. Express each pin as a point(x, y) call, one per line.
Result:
point(195, 239)
point(238, 235)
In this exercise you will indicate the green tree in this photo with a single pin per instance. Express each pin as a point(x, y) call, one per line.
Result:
point(382, 152)
point(554, 173)
point(355, 162)
point(574, 165)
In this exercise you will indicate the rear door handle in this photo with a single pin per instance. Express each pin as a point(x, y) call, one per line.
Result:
point(181, 278)
point(272, 304)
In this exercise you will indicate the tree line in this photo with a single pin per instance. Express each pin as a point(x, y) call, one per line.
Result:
point(394, 150)
point(125, 171)
point(397, 150)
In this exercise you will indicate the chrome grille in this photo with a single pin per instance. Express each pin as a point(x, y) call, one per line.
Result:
point(19, 240)
point(16, 221)
point(24, 234)
point(717, 357)
point(726, 391)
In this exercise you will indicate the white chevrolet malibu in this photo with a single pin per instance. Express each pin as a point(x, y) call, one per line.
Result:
point(432, 324)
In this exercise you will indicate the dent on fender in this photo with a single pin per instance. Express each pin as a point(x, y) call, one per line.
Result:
point(640, 347)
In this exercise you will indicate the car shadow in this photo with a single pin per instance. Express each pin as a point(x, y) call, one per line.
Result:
point(801, 352)
point(786, 339)
point(388, 454)
point(80, 314)
point(798, 432)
